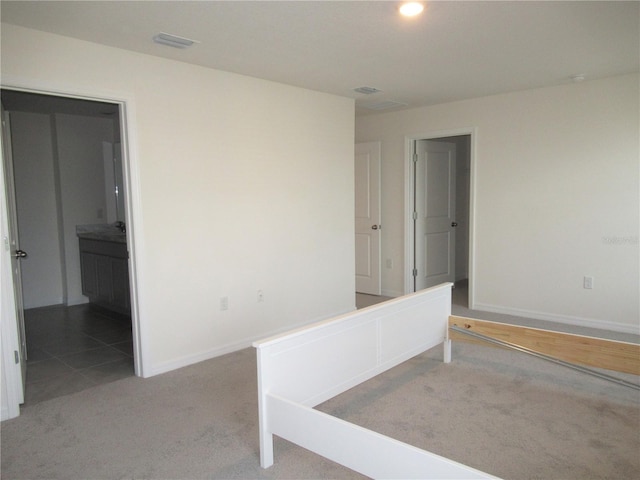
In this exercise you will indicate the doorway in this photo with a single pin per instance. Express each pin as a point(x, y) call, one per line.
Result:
point(457, 211)
point(65, 151)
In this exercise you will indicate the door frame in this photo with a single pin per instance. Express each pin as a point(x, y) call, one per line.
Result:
point(133, 213)
point(10, 340)
point(409, 205)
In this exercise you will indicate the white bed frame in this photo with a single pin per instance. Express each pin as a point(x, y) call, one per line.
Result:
point(303, 368)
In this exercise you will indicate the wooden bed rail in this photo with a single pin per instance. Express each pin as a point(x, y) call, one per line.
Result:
point(594, 352)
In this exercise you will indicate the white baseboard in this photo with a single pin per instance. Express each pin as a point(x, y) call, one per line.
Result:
point(566, 319)
point(197, 358)
point(43, 302)
point(228, 348)
point(77, 301)
point(392, 293)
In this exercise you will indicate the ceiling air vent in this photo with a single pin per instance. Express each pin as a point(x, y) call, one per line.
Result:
point(366, 90)
point(384, 105)
point(173, 40)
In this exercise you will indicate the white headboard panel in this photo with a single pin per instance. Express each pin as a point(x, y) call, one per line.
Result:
point(317, 362)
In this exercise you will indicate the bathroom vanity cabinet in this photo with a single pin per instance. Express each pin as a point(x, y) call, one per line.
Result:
point(105, 273)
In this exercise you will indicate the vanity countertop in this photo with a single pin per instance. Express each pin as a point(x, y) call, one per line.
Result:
point(102, 233)
point(104, 236)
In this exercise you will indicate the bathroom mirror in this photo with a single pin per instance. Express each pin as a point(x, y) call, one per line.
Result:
point(114, 182)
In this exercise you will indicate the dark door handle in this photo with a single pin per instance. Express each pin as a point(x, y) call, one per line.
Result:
point(20, 254)
point(454, 224)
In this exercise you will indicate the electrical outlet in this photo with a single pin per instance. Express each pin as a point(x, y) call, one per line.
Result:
point(224, 303)
point(588, 283)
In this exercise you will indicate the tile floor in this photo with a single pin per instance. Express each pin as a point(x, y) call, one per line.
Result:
point(70, 349)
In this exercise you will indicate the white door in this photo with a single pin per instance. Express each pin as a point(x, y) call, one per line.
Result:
point(435, 196)
point(367, 210)
point(14, 248)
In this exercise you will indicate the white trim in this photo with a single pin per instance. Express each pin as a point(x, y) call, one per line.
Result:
point(131, 177)
point(133, 207)
point(408, 213)
point(9, 342)
point(11, 372)
point(562, 319)
point(392, 293)
point(473, 169)
point(408, 188)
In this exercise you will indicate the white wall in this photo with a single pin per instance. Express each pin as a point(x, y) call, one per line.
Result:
point(42, 274)
point(244, 185)
point(556, 198)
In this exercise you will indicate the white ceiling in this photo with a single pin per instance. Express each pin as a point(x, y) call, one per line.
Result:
point(454, 50)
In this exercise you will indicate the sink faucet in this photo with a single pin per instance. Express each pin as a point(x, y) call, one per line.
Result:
point(120, 226)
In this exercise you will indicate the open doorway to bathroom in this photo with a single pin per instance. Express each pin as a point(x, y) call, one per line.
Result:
point(68, 177)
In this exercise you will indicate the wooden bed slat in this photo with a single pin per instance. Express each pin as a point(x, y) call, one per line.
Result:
point(594, 352)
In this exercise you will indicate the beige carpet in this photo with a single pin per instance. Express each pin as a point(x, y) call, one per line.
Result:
point(504, 413)
point(497, 411)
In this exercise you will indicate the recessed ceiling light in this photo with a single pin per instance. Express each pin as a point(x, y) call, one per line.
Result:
point(173, 40)
point(411, 9)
